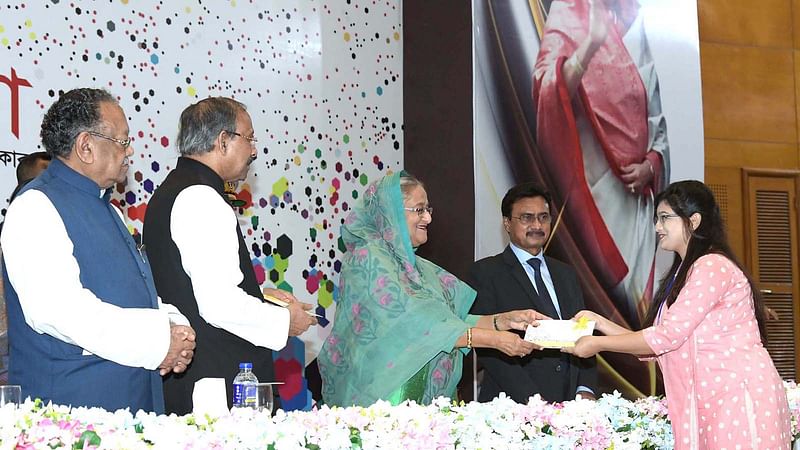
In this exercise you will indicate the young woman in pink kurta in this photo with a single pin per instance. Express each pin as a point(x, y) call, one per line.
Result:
point(723, 391)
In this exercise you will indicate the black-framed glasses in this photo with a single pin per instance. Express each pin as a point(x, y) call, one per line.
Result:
point(663, 217)
point(528, 218)
point(253, 140)
point(421, 210)
point(125, 143)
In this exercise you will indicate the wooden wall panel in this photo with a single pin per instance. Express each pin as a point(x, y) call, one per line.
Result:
point(766, 23)
point(795, 75)
point(750, 72)
point(748, 93)
point(729, 180)
point(735, 154)
point(796, 22)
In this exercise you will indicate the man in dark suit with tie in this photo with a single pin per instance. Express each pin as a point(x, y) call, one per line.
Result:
point(522, 277)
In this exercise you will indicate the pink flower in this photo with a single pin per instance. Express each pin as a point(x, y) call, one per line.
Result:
point(358, 326)
point(448, 281)
point(336, 357)
point(385, 299)
point(447, 364)
point(380, 283)
point(438, 376)
point(388, 235)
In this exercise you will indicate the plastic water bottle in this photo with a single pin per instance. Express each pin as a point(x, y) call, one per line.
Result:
point(244, 387)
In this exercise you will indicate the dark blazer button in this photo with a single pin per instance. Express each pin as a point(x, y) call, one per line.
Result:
point(558, 368)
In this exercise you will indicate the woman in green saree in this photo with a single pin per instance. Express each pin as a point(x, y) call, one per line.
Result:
point(401, 326)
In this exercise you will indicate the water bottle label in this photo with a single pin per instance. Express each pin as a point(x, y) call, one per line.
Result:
point(249, 395)
point(238, 394)
point(244, 395)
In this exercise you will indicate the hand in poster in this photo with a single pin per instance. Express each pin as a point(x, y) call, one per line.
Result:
point(637, 176)
point(598, 22)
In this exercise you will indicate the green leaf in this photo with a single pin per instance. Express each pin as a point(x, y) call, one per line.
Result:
point(87, 438)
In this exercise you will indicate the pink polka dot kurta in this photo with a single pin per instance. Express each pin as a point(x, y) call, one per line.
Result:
point(723, 391)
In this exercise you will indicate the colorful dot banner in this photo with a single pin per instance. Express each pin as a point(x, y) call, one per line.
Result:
point(321, 80)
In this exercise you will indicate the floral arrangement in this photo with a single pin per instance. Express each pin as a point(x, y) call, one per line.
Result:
point(612, 422)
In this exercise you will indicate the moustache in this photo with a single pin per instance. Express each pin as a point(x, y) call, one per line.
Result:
point(537, 233)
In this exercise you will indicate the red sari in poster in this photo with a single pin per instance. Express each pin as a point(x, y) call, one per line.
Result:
point(611, 121)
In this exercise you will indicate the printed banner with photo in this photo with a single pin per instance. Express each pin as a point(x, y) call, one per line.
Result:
point(600, 103)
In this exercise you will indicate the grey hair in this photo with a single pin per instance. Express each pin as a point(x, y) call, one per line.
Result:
point(407, 183)
point(74, 112)
point(202, 122)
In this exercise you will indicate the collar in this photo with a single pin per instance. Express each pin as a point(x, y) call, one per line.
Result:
point(523, 255)
point(205, 174)
point(61, 170)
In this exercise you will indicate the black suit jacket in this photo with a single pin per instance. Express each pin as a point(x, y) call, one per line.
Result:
point(503, 285)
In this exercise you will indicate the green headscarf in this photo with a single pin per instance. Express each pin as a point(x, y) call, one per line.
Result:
point(398, 313)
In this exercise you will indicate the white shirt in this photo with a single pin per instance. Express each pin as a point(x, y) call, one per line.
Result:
point(523, 257)
point(54, 302)
point(203, 227)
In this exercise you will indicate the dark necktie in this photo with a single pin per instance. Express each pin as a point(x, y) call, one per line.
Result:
point(541, 289)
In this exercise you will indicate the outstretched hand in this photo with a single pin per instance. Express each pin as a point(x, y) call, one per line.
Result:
point(513, 345)
point(519, 319)
point(584, 347)
point(299, 319)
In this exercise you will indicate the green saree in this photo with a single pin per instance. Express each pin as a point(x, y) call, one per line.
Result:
point(398, 316)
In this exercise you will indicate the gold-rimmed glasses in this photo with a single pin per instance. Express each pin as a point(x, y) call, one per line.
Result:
point(125, 143)
point(253, 140)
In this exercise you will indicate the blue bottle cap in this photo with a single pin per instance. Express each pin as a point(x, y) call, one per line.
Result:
point(245, 365)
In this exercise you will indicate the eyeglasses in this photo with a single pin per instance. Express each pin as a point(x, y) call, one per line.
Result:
point(421, 210)
point(253, 140)
point(527, 219)
point(125, 143)
point(662, 218)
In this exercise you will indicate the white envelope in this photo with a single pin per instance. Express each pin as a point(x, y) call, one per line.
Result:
point(558, 333)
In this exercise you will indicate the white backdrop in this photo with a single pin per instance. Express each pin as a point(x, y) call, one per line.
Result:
point(321, 79)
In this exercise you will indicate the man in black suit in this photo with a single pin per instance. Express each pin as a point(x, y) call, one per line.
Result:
point(522, 277)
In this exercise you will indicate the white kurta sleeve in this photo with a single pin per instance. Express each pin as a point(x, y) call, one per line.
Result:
point(203, 227)
point(54, 302)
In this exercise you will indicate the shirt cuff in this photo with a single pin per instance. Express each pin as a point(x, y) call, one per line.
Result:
point(584, 389)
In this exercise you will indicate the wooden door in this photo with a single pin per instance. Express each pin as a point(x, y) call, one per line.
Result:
point(771, 253)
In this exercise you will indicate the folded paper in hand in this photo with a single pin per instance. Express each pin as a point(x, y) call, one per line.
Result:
point(559, 333)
